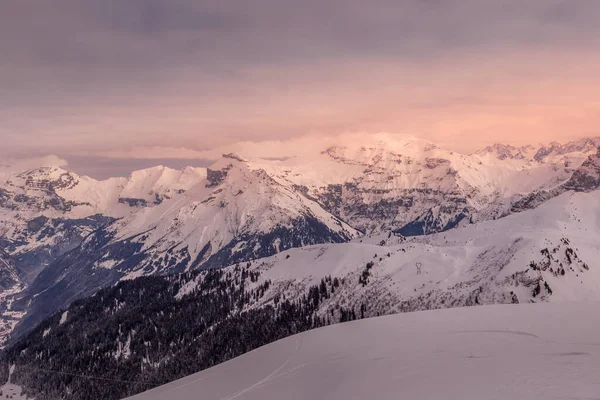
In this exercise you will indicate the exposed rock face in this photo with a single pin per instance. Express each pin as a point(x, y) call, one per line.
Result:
point(216, 177)
point(133, 202)
point(9, 275)
point(504, 152)
point(547, 150)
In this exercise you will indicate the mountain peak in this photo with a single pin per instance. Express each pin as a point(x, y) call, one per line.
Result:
point(48, 178)
point(504, 151)
point(46, 171)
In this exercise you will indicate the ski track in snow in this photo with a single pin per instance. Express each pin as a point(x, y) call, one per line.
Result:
point(270, 376)
point(194, 381)
point(519, 333)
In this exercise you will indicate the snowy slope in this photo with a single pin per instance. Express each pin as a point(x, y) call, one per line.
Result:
point(545, 254)
point(538, 351)
point(12, 391)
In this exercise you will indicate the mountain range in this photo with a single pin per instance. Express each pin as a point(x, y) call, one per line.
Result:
point(401, 223)
point(64, 236)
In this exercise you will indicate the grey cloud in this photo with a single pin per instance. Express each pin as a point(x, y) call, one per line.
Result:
point(157, 33)
point(65, 62)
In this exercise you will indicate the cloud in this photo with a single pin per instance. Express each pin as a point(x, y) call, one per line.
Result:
point(81, 76)
point(301, 146)
point(156, 152)
point(12, 165)
point(267, 149)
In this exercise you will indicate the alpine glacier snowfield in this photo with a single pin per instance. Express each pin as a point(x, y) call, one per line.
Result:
point(527, 351)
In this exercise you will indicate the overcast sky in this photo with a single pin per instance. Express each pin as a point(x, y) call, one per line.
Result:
point(83, 79)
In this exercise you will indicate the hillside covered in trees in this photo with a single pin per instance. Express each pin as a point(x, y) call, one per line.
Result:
point(146, 332)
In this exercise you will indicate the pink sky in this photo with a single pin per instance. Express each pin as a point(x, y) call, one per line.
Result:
point(110, 77)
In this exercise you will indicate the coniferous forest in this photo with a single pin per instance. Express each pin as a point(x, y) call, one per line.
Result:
point(149, 331)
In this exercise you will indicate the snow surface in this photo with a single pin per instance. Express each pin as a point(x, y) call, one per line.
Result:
point(63, 317)
point(532, 351)
point(12, 391)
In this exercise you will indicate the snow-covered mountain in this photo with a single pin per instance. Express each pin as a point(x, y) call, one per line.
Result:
point(68, 235)
point(586, 178)
point(385, 182)
point(154, 328)
point(545, 254)
point(500, 352)
point(57, 191)
point(238, 212)
point(47, 211)
point(547, 153)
